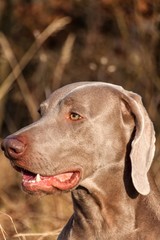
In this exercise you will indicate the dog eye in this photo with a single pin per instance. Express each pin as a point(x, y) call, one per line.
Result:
point(74, 116)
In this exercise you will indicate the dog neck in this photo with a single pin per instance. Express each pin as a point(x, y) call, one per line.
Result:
point(100, 213)
point(107, 206)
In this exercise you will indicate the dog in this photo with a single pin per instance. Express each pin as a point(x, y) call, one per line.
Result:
point(96, 140)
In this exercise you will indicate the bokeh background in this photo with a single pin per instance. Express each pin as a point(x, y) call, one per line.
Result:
point(46, 44)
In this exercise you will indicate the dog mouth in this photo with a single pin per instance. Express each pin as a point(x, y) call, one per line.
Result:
point(33, 183)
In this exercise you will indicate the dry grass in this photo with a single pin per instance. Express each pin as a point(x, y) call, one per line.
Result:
point(17, 68)
point(31, 216)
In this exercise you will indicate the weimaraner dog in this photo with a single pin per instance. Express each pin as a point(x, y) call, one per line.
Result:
point(96, 140)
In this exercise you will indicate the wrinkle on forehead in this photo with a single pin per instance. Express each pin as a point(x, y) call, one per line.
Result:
point(63, 92)
point(86, 85)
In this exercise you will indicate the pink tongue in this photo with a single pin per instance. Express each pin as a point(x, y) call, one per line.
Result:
point(64, 176)
point(61, 177)
point(64, 181)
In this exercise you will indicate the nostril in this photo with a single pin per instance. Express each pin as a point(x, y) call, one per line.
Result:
point(16, 148)
point(13, 148)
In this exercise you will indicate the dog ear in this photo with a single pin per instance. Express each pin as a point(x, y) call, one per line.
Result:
point(143, 144)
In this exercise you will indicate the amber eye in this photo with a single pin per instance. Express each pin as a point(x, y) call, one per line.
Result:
point(74, 116)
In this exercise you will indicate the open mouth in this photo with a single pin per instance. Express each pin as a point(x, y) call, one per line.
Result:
point(33, 183)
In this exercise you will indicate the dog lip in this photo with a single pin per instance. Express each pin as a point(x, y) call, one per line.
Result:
point(64, 182)
point(22, 169)
point(34, 182)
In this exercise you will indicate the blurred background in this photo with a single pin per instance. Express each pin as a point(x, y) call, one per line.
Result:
point(47, 44)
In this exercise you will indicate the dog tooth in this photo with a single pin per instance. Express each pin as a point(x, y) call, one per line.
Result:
point(38, 178)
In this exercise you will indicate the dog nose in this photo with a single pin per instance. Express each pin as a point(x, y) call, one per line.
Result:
point(13, 148)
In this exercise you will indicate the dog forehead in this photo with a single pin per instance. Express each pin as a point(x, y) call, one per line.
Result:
point(93, 93)
point(62, 92)
point(83, 91)
point(86, 87)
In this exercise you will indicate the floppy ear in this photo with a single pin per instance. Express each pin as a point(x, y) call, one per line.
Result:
point(143, 144)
